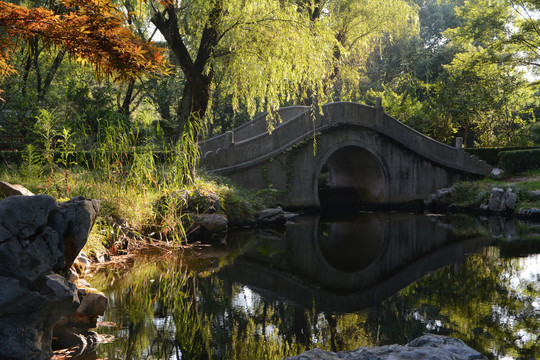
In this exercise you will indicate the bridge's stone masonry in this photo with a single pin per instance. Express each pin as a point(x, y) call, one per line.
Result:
point(377, 158)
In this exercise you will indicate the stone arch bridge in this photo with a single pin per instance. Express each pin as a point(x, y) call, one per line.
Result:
point(369, 156)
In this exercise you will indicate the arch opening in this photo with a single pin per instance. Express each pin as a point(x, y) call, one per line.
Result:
point(344, 250)
point(353, 177)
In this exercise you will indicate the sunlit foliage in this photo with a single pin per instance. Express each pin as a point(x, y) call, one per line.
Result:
point(90, 31)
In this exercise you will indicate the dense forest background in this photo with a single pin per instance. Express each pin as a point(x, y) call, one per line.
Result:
point(444, 67)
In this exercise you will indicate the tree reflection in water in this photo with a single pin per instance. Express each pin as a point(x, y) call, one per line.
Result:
point(166, 310)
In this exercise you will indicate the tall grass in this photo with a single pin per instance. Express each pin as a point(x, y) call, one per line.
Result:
point(122, 170)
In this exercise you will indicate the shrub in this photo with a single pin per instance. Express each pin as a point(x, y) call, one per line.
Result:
point(492, 155)
point(517, 161)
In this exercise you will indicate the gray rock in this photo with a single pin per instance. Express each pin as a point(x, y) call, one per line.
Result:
point(21, 216)
point(509, 200)
point(431, 200)
point(529, 213)
point(7, 189)
point(271, 217)
point(212, 223)
point(444, 193)
point(27, 332)
point(441, 198)
point(496, 173)
point(74, 220)
point(61, 288)
point(484, 209)
point(428, 347)
point(38, 236)
point(447, 344)
point(15, 296)
point(502, 202)
point(495, 199)
point(93, 304)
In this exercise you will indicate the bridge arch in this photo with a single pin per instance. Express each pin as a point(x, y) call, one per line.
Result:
point(400, 164)
point(356, 175)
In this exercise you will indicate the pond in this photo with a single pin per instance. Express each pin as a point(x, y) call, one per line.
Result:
point(371, 279)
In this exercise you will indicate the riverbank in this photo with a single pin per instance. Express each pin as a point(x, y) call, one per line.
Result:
point(136, 215)
point(510, 196)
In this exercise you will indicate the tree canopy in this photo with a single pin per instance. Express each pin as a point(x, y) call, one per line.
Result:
point(90, 31)
point(269, 53)
point(447, 68)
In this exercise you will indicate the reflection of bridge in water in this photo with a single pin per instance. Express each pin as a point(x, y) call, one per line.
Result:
point(349, 266)
point(375, 157)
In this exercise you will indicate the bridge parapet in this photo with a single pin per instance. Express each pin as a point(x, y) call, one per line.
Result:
point(251, 143)
point(251, 129)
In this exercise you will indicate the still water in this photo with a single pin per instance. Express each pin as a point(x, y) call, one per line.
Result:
point(372, 279)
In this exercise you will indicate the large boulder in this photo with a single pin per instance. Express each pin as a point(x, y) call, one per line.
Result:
point(427, 347)
point(501, 202)
point(39, 240)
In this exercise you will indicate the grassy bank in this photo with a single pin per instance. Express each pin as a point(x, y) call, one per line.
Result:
point(142, 202)
point(138, 207)
point(474, 193)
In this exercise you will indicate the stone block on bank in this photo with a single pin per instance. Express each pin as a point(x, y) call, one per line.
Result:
point(271, 217)
point(440, 199)
point(502, 202)
point(529, 213)
point(92, 306)
point(495, 199)
point(7, 189)
point(212, 223)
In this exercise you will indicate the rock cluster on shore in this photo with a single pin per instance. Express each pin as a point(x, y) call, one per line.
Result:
point(39, 241)
point(501, 202)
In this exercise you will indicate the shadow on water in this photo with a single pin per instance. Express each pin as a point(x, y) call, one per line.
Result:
point(374, 279)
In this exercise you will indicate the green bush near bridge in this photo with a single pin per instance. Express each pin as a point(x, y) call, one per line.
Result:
point(492, 155)
point(518, 161)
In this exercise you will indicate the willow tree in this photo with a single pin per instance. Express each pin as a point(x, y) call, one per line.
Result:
point(269, 52)
point(266, 51)
point(485, 90)
point(357, 28)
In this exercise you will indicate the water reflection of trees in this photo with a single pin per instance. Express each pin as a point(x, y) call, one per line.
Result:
point(163, 312)
point(476, 301)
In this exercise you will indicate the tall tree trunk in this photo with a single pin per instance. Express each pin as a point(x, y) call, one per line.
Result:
point(26, 73)
point(51, 73)
point(128, 98)
point(196, 94)
point(194, 103)
point(37, 52)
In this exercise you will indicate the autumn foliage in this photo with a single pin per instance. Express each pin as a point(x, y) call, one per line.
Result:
point(91, 31)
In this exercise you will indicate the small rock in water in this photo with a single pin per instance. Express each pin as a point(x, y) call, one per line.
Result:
point(271, 217)
point(213, 223)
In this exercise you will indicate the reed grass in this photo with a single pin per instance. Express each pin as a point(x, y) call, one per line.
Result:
point(120, 169)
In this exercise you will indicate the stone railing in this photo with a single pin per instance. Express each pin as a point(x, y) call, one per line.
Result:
point(231, 153)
